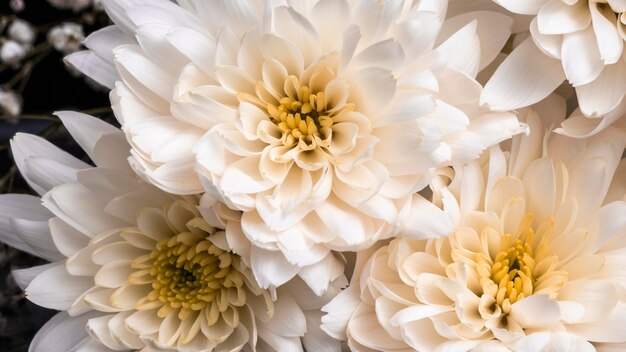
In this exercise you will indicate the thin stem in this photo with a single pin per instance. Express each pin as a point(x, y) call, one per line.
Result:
point(7, 180)
point(30, 117)
point(43, 50)
point(49, 117)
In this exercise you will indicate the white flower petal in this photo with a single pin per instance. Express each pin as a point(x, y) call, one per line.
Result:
point(318, 275)
point(150, 83)
point(61, 333)
point(598, 298)
point(548, 44)
point(94, 67)
point(55, 288)
point(463, 50)
point(26, 146)
point(27, 208)
point(270, 267)
point(525, 77)
point(609, 41)
point(557, 17)
point(23, 277)
point(530, 7)
point(581, 59)
point(493, 31)
point(426, 220)
point(85, 129)
point(536, 311)
point(605, 93)
point(610, 329)
point(372, 89)
point(315, 338)
point(288, 318)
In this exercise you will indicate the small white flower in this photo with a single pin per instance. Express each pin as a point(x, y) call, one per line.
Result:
point(22, 32)
point(17, 5)
point(10, 103)
point(535, 261)
point(137, 268)
point(12, 52)
point(75, 5)
point(66, 37)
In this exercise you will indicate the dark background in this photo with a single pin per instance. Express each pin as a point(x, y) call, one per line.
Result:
point(48, 87)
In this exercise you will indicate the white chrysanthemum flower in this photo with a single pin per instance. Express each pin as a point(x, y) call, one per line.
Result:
point(580, 40)
point(138, 268)
point(317, 119)
point(536, 262)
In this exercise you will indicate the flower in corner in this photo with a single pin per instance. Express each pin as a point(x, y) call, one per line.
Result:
point(319, 120)
point(581, 41)
point(536, 261)
point(135, 268)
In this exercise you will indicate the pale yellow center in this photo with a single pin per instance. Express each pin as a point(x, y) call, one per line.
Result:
point(303, 118)
point(304, 114)
point(513, 273)
point(190, 274)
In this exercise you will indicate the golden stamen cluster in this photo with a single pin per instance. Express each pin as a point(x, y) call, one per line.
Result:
point(189, 273)
point(304, 113)
point(302, 119)
point(522, 267)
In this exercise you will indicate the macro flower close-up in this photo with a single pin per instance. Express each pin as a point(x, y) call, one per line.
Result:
point(535, 261)
point(312, 175)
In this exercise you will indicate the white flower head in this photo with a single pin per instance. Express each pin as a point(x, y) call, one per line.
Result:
point(66, 37)
point(318, 119)
point(12, 52)
point(10, 103)
point(536, 261)
point(581, 41)
point(22, 32)
point(74, 5)
point(137, 268)
point(17, 5)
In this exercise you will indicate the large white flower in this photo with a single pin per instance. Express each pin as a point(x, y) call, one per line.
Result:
point(581, 40)
point(318, 119)
point(536, 261)
point(137, 268)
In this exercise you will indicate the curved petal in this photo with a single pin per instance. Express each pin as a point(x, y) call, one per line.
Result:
point(525, 77)
point(557, 17)
point(581, 59)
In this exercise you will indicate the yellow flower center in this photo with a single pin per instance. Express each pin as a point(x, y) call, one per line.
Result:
point(302, 112)
point(522, 267)
point(301, 117)
point(189, 273)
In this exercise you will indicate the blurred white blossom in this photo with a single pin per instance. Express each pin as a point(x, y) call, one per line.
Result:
point(10, 103)
point(22, 32)
point(66, 37)
point(17, 5)
point(12, 52)
point(75, 5)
